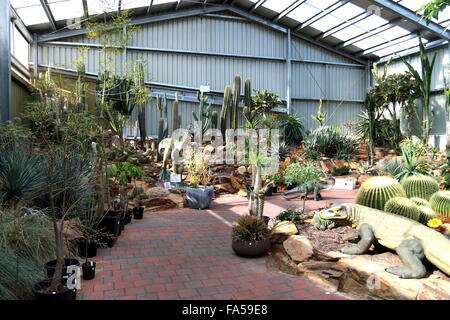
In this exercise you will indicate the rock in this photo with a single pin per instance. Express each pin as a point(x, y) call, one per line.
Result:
point(222, 179)
point(435, 289)
point(340, 163)
point(353, 165)
point(281, 231)
point(228, 169)
point(223, 188)
point(236, 184)
point(299, 248)
point(327, 165)
point(241, 170)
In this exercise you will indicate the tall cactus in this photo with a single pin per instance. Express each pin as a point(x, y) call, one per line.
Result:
point(227, 100)
point(249, 112)
point(214, 119)
point(176, 118)
point(139, 82)
point(204, 112)
point(161, 105)
point(235, 102)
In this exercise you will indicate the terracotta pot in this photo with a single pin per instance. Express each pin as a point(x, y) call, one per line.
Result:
point(251, 249)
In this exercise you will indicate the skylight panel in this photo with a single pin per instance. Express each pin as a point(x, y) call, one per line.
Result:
point(100, 6)
point(326, 23)
point(66, 9)
point(322, 4)
point(444, 15)
point(347, 11)
point(277, 5)
point(369, 42)
point(348, 33)
point(30, 11)
point(412, 43)
point(371, 22)
point(130, 4)
point(303, 13)
point(393, 33)
point(413, 5)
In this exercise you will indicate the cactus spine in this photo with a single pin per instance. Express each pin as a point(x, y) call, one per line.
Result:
point(235, 102)
point(420, 187)
point(440, 203)
point(204, 113)
point(376, 191)
point(403, 207)
point(421, 202)
point(227, 99)
point(176, 118)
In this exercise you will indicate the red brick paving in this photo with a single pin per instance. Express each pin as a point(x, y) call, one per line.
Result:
point(186, 254)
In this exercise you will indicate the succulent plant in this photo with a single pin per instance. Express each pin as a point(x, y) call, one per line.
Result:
point(426, 214)
point(440, 203)
point(236, 99)
point(403, 207)
point(421, 202)
point(420, 187)
point(227, 101)
point(176, 118)
point(376, 191)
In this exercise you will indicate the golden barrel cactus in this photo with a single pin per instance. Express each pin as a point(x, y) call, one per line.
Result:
point(376, 191)
point(420, 187)
point(440, 203)
point(403, 207)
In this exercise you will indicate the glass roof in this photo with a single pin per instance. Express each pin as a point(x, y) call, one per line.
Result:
point(332, 21)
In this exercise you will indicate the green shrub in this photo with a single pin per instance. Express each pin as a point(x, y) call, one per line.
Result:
point(307, 174)
point(330, 142)
point(249, 228)
point(290, 214)
point(292, 127)
point(342, 171)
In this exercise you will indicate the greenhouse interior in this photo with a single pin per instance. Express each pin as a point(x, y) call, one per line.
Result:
point(225, 150)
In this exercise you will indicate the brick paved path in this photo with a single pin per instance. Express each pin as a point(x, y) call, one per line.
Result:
point(186, 254)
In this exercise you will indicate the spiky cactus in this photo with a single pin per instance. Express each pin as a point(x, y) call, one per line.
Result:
point(214, 119)
point(163, 130)
point(376, 191)
point(420, 187)
point(421, 202)
point(235, 102)
point(176, 118)
point(440, 203)
point(426, 214)
point(139, 82)
point(227, 100)
point(403, 207)
point(204, 112)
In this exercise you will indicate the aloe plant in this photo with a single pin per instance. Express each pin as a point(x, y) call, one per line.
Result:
point(424, 81)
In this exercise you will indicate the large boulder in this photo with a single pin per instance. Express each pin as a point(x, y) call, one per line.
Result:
point(281, 231)
point(299, 248)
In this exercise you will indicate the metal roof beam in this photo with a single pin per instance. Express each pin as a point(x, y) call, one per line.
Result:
point(260, 2)
point(343, 25)
point(387, 44)
point(369, 33)
point(49, 13)
point(152, 19)
point(321, 14)
point(178, 4)
point(413, 50)
point(20, 25)
point(288, 10)
point(149, 7)
point(85, 9)
point(5, 61)
point(412, 17)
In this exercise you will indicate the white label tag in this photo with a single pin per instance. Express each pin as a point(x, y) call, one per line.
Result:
point(175, 178)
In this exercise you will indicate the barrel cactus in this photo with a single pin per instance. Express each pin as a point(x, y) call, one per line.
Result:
point(440, 203)
point(426, 214)
point(376, 191)
point(421, 202)
point(403, 207)
point(420, 186)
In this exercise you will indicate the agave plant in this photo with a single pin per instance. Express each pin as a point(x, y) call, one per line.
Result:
point(293, 128)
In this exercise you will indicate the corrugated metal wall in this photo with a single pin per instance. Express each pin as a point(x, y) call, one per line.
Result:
point(20, 95)
point(344, 86)
point(441, 124)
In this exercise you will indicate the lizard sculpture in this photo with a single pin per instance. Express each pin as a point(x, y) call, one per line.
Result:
point(411, 240)
point(303, 191)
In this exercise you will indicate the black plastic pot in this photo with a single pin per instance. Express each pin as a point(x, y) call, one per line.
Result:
point(67, 294)
point(86, 248)
point(199, 198)
point(88, 270)
point(128, 217)
point(251, 249)
point(50, 266)
point(138, 213)
point(109, 225)
point(266, 220)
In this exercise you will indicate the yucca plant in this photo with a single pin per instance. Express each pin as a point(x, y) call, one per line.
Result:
point(292, 128)
point(424, 87)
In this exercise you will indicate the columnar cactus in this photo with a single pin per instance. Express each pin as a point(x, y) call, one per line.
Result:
point(214, 119)
point(176, 118)
point(420, 186)
point(163, 130)
point(440, 203)
point(376, 191)
point(403, 207)
point(236, 99)
point(426, 214)
point(421, 202)
point(139, 81)
point(227, 100)
point(204, 113)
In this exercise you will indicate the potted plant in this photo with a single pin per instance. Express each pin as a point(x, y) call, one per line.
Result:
point(199, 195)
point(250, 237)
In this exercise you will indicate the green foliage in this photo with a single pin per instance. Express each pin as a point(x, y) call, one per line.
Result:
point(12, 132)
point(124, 172)
point(411, 159)
point(440, 203)
point(203, 118)
point(307, 174)
point(226, 105)
point(432, 9)
point(330, 142)
point(264, 101)
point(342, 171)
point(249, 228)
point(290, 214)
point(376, 191)
point(393, 167)
point(236, 99)
point(321, 116)
point(292, 128)
point(420, 186)
point(403, 207)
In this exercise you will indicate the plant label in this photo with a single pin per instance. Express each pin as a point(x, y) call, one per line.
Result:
point(175, 178)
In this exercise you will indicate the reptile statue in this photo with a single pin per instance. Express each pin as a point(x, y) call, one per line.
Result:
point(304, 190)
point(411, 240)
